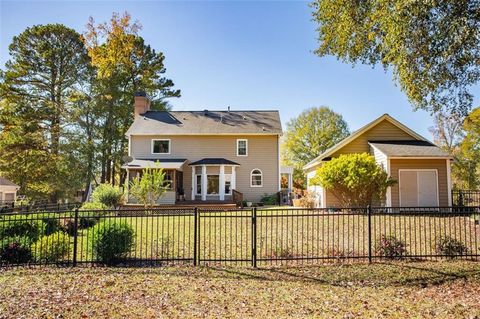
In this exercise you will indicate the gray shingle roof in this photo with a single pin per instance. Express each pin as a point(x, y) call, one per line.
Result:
point(206, 122)
point(6, 182)
point(214, 161)
point(409, 149)
point(167, 163)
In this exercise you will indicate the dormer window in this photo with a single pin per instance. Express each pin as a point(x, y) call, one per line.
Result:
point(161, 146)
point(242, 147)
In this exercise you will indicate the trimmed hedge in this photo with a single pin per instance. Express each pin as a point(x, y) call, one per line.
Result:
point(31, 229)
point(51, 248)
point(108, 195)
point(112, 241)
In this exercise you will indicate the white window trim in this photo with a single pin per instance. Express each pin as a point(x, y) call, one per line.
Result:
point(196, 185)
point(246, 146)
point(417, 170)
point(261, 175)
point(161, 139)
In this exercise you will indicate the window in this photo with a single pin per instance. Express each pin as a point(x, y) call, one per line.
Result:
point(256, 179)
point(168, 179)
point(228, 184)
point(160, 146)
point(199, 184)
point(213, 183)
point(242, 147)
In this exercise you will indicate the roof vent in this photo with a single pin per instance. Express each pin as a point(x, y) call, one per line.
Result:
point(205, 112)
point(244, 118)
point(228, 108)
point(263, 128)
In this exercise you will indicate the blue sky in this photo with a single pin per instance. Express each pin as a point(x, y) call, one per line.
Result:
point(247, 55)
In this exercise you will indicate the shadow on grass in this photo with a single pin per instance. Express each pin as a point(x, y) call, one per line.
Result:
point(380, 274)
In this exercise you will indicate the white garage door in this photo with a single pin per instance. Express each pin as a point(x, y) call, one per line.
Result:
point(418, 188)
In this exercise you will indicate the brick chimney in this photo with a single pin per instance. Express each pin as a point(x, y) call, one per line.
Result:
point(142, 104)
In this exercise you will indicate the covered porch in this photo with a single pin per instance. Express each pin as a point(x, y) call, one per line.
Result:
point(173, 169)
point(213, 179)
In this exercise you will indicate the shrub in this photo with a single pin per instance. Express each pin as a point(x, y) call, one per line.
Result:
point(150, 187)
point(52, 223)
point(390, 247)
point(15, 250)
point(92, 206)
point(31, 229)
point(89, 214)
point(450, 247)
point(108, 195)
point(111, 241)
point(87, 222)
point(269, 199)
point(69, 226)
point(356, 180)
point(51, 248)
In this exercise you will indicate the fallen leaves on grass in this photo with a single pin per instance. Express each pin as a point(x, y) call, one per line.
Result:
point(397, 290)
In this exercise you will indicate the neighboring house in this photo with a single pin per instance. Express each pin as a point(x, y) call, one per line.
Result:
point(8, 191)
point(421, 168)
point(206, 154)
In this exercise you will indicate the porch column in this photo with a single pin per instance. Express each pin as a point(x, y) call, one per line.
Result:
point(290, 181)
point(126, 188)
point(204, 182)
point(193, 182)
point(234, 179)
point(221, 182)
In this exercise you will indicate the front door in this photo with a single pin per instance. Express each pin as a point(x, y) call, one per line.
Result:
point(418, 188)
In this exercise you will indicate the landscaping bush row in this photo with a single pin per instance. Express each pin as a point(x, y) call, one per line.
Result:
point(394, 248)
point(46, 240)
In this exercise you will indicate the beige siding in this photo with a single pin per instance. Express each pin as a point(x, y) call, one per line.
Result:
point(7, 192)
point(262, 154)
point(331, 200)
point(380, 158)
point(439, 164)
point(168, 198)
point(382, 131)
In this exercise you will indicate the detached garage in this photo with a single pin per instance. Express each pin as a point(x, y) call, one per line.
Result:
point(421, 168)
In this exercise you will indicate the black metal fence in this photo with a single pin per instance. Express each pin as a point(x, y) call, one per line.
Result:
point(9, 207)
point(466, 198)
point(241, 236)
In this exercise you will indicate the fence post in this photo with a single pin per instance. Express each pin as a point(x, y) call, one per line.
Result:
point(369, 216)
point(195, 235)
point(75, 237)
point(254, 237)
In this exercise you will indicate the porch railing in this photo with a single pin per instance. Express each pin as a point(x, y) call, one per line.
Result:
point(237, 198)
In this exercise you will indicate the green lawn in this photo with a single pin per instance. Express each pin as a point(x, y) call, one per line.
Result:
point(383, 290)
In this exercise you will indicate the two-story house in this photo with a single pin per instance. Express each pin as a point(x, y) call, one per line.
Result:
point(206, 154)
